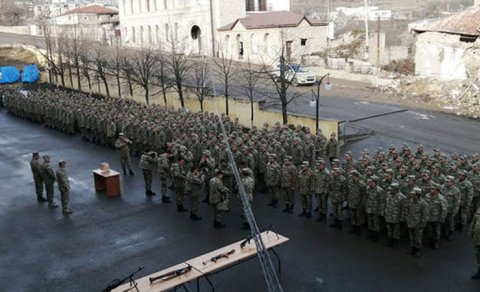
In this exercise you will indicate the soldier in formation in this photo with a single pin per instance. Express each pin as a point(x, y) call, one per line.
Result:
point(273, 154)
point(36, 168)
point(63, 186)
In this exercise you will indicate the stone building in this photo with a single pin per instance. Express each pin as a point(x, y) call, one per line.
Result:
point(449, 48)
point(188, 25)
point(261, 38)
point(93, 22)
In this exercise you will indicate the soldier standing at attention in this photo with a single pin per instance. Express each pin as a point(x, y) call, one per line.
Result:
point(49, 179)
point(321, 183)
point(218, 199)
point(37, 176)
point(63, 187)
point(272, 179)
point(123, 149)
point(474, 233)
point(356, 199)
point(287, 182)
point(304, 187)
point(373, 199)
point(193, 185)
point(337, 192)
point(333, 148)
point(417, 217)
point(249, 185)
point(394, 203)
point(179, 175)
point(163, 168)
point(466, 198)
point(147, 163)
point(437, 213)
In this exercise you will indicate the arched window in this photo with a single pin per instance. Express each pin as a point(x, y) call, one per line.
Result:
point(157, 35)
point(227, 45)
point(176, 31)
point(266, 43)
point(155, 7)
point(141, 34)
point(150, 35)
point(147, 3)
point(134, 38)
point(253, 43)
point(131, 6)
point(167, 32)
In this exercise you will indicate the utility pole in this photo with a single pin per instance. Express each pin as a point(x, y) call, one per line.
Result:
point(366, 31)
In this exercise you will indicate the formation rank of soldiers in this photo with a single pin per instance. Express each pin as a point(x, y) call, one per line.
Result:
point(386, 193)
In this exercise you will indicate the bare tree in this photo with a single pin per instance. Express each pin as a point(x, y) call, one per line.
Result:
point(224, 70)
point(10, 13)
point(85, 68)
point(178, 65)
point(251, 84)
point(200, 88)
point(114, 67)
point(126, 69)
point(100, 64)
point(162, 77)
point(76, 46)
point(144, 64)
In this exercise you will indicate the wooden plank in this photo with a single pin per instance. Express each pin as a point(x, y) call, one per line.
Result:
point(270, 239)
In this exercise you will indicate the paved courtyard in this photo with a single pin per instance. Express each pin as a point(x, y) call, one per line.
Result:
point(108, 238)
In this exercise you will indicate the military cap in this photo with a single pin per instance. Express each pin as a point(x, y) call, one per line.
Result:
point(61, 162)
point(353, 172)
point(450, 178)
point(412, 177)
point(206, 153)
point(436, 149)
point(219, 171)
point(389, 171)
point(273, 155)
point(333, 134)
point(348, 153)
point(391, 147)
point(416, 191)
point(336, 169)
point(374, 178)
point(462, 172)
point(288, 157)
point(463, 157)
point(321, 161)
point(305, 163)
point(426, 172)
point(35, 153)
point(434, 186)
point(394, 185)
point(371, 167)
point(120, 134)
point(336, 160)
point(246, 171)
point(405, 145)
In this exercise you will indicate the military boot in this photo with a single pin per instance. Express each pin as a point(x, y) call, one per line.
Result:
point(411, 251)
point(395, 244)
point(131, 172)
point(375, 237)
point(334, 224)
point(320, 217)
point(370, 234)
point(476, 276)
point(316, 209)
point(359, 231)
point(353, 230)
point(218, 225)
point(450, 236)
point(165, 199)
point(417, 253)
point(339, 224)
point(389, 242)
point(435, 244)
point(303, 214)
point(195, 217)
point(52, 205)
point(285, 210)
point(67, 211)
point(181, 209)
point(290, 210)
point(124, 171)
point(41, 199)
point(309, 215)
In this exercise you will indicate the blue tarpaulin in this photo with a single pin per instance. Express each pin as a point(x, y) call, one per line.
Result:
point(9, 74)
point(30, 74)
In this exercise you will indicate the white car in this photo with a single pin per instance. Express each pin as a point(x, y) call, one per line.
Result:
point(296, 74)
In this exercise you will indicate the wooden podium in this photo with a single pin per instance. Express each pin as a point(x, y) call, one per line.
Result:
point(110, 182)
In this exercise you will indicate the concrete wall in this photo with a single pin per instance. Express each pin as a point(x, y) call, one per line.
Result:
point(16, 29)
point(238, 108)
point(441, 56)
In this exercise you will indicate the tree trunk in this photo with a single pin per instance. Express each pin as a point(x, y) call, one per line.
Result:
point(201, 105)
point(107, 90)
point(251, 112)
point(130, 86)
point(119, 85)
point(70, 74)
point(180, 94)
point(164, 93)
point(284, 113)
point(226, 99)
point(147, 95)
point(77, 68)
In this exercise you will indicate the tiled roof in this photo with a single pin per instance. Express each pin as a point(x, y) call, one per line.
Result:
point(274, 19)
point(92, 9)
point(464, 23)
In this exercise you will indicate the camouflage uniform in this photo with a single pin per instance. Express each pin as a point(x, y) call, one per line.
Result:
point(321, 186)
point(337, 193)
point(163, 169)
point(36, 168)
point(123, 149)
point(437, 213)
point(373, 208)
point(64, 188)
point(49, 180)
point(303, 186)
point(474, 233)
point(147, 164)
point(193, 186)
point(287, 182)
point(179, 176)
point(356, 199)
point(219, 199)
point(273, 172)
point(417, 217)
point(394, 208)
point(466, 198)
point(249, 185)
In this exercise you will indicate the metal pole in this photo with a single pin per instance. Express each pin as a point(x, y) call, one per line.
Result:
point(317, 104)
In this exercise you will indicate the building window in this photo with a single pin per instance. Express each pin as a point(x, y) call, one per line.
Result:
point(165, 5)
point(134, 40)
point(157, 34)
point(227, 45)
point(195, 32)
point(141, 34)
point(303, 42)
point(253, 43)
point(176, 31)
point(266, 43)
point(131, 6)
point(167, 32)
point(150, 35)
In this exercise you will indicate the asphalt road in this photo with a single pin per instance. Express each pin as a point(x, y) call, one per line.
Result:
point(107, 238)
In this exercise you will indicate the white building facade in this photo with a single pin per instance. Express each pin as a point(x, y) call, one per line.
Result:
point(188, 25)
point(264, 38)
point(267, 5)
